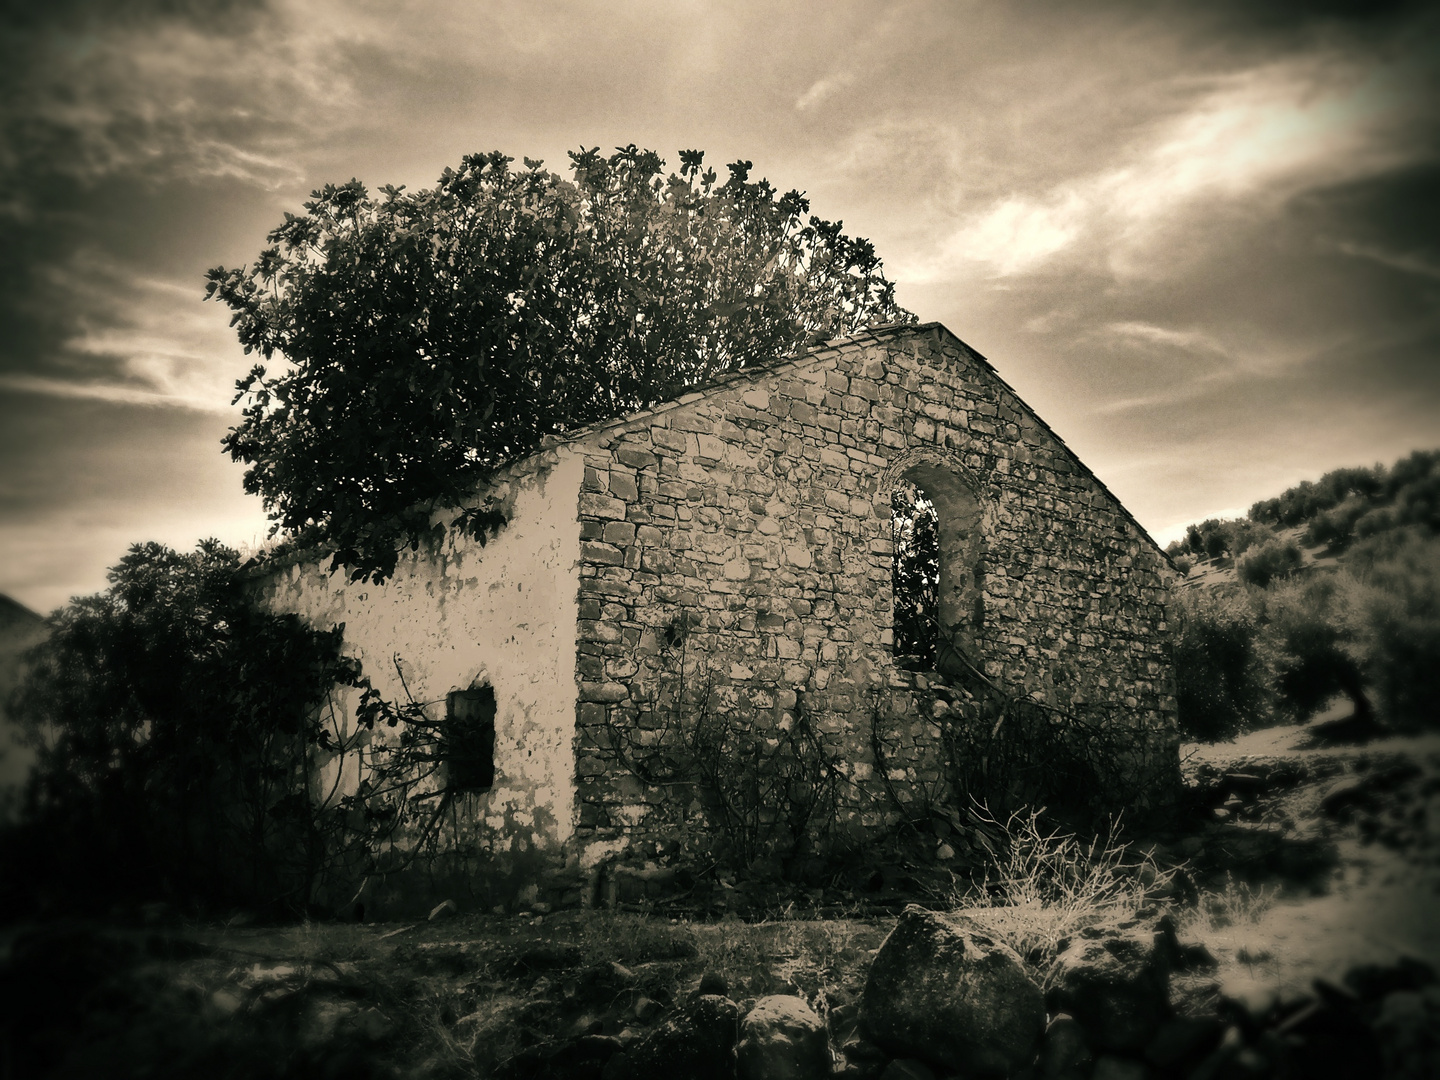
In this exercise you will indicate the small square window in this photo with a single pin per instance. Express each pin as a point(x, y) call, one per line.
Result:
point(469, 739)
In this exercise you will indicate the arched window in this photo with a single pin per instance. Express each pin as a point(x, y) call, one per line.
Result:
point(938, 575)
point(915, 576)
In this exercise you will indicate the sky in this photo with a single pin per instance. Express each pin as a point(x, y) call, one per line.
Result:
point(1201, 240)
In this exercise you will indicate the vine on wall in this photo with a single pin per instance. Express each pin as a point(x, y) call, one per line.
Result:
point(765, 795)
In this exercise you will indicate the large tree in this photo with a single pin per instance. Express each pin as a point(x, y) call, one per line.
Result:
point(428, 337)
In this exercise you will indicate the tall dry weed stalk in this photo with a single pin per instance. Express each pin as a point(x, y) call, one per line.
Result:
point(1047, 886)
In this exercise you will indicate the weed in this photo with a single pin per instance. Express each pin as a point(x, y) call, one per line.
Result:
point(1238, 904)
point(1047, 886)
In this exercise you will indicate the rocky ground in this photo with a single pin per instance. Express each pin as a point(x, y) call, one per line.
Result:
point(1284, 927)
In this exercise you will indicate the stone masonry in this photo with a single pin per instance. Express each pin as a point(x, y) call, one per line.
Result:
point(756, 516)
point(745, 528)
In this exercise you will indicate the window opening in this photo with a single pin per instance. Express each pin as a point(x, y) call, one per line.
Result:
point(915, 577)
point(469, 739)
point(938, 574)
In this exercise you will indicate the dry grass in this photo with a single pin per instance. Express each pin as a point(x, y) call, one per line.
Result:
point(1048, 886)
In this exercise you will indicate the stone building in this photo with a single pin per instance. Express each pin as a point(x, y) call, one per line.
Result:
point(730, 553)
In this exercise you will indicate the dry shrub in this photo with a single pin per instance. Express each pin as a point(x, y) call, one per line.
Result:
point(1047, 886)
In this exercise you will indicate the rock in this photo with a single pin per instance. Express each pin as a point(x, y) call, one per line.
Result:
point(781, 1038)
point(1409, 1033)
point(586, 1056)
point(323, 1019)
point(1065, 1053)
point(1112, 1067)
point(1195, 956)
point(1183, 1042)
point(373, 1024)
point(1328, 1041)
point(646, 1009)
point(1251, 1001)
point(907, 1069)
point(1117, 984)
point(698, 1043)
point(945, 991)
point(712, 982)
point(1243, 783)
point(1218, 1063)
point(861, 1049)
point(1343, 797)
point(443, 910)
point(1374, 981)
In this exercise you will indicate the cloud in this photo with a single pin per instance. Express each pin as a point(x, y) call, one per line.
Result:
point(1250, 140)
point(822, 89)
point(1195, 341)
point(136, 340)
point(1406, 263)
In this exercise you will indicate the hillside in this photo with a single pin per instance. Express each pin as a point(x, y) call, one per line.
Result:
point(1330, 591)
point(1316, 524)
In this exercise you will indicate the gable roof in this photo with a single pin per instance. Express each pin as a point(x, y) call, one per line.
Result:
point(836, 347)
point(749, 375)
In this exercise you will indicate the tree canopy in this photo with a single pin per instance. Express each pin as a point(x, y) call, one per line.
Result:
point(430, 336)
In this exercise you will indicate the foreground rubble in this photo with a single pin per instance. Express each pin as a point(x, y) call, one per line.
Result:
point(1243, 972)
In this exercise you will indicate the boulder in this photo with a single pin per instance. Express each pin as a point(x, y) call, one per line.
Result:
point(1328, 1041)
point(907, 1069)
point(1183, 1042)
point(698, 1043)
point(1065, 1053)
point(1117, 984)
point(1112, 1067)
point(943, 990)
point(781, 1038)
point(1408, 1028)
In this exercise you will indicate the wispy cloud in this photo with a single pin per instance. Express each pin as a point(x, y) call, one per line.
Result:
point(1407, 263)
point(138, 340)
point(49, 386)
point(1195, 341)
point(823, 88)
point(1252, 139)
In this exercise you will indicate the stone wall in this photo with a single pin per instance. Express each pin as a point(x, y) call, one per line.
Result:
point(746, 533)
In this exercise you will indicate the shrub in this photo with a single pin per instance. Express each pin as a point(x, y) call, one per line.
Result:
point(177, 727)
point(1219, 675)
point(1336, 527)
point(1046, 886)
point(1273, 559)
point(1309, 644)
point(1397, 621)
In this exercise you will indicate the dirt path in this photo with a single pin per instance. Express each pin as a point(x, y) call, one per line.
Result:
point(1381, 902)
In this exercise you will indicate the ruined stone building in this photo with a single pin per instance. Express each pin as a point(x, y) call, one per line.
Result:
point(748, 524)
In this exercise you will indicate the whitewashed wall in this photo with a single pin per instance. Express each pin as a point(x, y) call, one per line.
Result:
point(464, 614)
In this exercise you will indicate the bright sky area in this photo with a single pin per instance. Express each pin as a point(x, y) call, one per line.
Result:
point(1200, 239)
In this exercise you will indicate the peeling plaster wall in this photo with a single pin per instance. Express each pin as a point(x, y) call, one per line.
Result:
point(464, 614)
